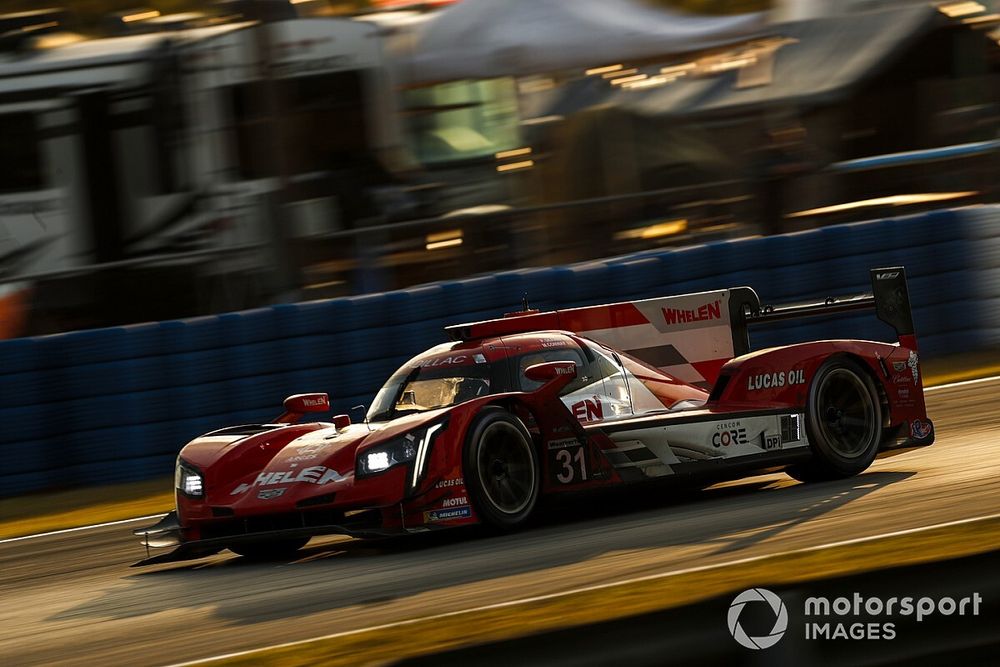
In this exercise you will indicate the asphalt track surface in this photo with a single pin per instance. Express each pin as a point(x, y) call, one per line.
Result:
point(71, 598)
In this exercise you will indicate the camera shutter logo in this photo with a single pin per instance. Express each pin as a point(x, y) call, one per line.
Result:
point(780, 618)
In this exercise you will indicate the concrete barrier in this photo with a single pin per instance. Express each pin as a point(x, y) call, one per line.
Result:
point(115, 405)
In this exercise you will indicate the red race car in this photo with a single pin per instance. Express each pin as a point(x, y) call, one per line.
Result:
point(476, 430)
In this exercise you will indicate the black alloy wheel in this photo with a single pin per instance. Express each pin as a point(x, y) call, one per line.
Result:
point(501, 469)
point(843, 421)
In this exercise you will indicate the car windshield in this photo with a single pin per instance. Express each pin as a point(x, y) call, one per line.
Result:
point(423, 388)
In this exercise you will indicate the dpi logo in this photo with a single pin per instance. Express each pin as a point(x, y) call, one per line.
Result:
point(780, 618)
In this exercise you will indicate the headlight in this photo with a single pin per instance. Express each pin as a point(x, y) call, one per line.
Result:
point(384, 456)
point(188, 480)
point(413, 447)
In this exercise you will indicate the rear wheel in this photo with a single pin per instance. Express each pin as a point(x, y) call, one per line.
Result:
point(843, 420)
point(501, 469)
point(271, 550)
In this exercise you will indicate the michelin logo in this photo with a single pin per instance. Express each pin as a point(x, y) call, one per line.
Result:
point(448, 514)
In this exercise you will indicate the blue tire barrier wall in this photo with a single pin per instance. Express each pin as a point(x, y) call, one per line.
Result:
point(115, 405)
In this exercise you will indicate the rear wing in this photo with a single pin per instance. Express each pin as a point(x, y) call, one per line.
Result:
point(691, 336)
point(889, 298)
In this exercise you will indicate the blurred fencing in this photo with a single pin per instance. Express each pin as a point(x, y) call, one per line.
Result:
point(380, 254)
point(113, 405)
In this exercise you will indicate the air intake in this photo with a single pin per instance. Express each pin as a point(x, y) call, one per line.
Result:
point(324, 499)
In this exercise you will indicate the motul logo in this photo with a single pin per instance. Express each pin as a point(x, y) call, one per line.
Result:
point(709, 311)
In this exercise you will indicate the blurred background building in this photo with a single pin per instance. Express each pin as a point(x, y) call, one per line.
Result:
point(185, 158)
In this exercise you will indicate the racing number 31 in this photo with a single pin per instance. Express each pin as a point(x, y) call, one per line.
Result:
point(572, 467)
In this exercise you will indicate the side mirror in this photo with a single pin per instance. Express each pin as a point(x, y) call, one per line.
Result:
point(341, 421)
point(550, 371)
point(300, 404)
point(359, 413)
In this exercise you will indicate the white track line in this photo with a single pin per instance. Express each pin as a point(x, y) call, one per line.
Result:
point(585, 589)
point(962, 383)
point(80, 528)
point(159, 516)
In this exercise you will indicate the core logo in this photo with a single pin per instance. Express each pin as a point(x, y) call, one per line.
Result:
point(888, 275)
point(733, 437)
point(708, 311)
point(729, 434)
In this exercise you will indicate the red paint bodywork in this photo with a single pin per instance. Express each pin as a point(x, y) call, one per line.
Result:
point(294, 453)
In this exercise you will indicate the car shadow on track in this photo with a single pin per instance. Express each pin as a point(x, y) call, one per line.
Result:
point(339, 574)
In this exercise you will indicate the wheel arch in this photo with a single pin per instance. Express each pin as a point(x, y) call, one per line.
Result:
point(741, 387)
point(518, 408)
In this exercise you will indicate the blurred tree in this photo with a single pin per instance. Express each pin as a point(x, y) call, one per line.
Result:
point(717, 6)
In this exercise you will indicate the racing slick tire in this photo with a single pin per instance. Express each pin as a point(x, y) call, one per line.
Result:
point(843, 421)
point(501, 469)
point(271, 550)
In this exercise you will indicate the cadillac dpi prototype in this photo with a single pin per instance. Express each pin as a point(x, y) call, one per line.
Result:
point(535, 403)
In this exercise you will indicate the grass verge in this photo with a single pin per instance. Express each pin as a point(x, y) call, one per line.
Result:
point(43, 512)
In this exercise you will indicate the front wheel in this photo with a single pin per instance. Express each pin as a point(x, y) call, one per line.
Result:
point(501, 469)
point(843, 420)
